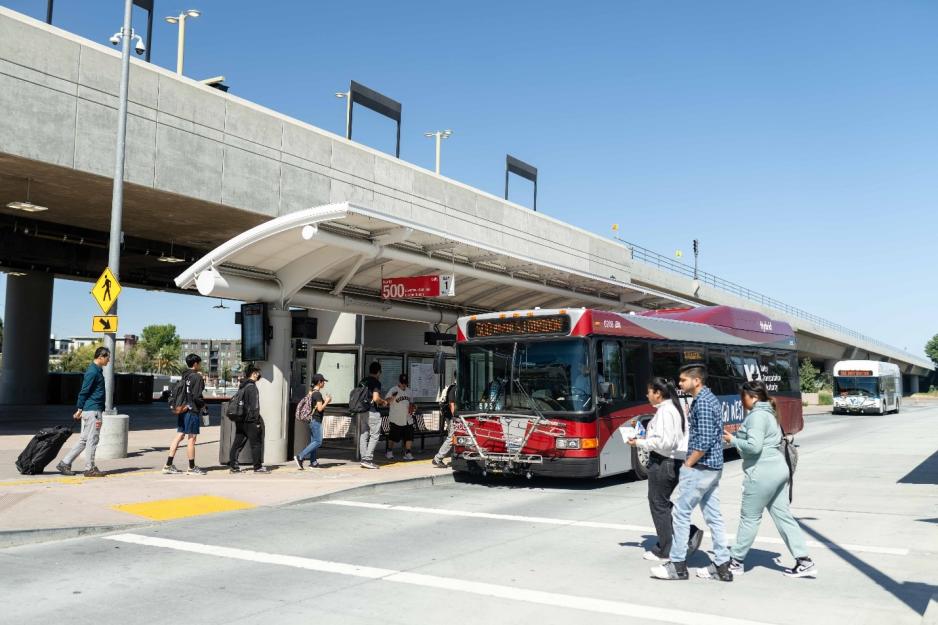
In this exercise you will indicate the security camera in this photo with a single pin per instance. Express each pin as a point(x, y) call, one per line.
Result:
point(115, 39)
point(140, 48)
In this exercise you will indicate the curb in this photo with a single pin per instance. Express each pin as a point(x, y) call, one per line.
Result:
point(16, 538)
point(426, 481)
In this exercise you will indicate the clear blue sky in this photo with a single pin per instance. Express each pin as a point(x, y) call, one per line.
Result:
point(797, 140)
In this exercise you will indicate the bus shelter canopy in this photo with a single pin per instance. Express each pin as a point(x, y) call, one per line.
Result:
point(334, 257)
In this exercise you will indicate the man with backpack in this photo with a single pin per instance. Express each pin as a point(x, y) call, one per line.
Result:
point(249, 426)
point(90, 408)
point(447, 412)
point(188, 405)
point(366, 400)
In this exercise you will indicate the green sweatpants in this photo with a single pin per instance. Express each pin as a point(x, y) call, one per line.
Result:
point(765, 487)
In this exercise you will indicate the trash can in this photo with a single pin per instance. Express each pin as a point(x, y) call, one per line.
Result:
point(226, 440)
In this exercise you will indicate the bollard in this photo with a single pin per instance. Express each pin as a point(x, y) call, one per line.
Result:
point(113, 440)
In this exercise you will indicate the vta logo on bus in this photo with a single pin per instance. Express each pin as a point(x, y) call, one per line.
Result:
point(609, 323)
point(766, 326)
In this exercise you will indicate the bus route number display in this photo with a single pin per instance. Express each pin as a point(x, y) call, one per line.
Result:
point(513, 326)
point(855, 373)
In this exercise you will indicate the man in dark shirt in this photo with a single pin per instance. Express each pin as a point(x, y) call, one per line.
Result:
point(188, 422)
point(317, 403)
point(90, 408)
point(449, 413)
point(370, 422)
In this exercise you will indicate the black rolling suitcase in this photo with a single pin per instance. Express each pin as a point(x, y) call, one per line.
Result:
point(42, 450)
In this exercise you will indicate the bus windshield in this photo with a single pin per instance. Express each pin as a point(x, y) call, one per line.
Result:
point(865, 387)
point(542, 376)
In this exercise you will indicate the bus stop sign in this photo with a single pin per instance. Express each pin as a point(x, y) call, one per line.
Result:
point(418, 286)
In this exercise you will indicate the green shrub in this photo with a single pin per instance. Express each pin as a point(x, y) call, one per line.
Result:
point(825, 398)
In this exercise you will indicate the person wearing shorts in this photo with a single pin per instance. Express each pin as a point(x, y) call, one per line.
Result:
point(400, 418)
point(188, 422)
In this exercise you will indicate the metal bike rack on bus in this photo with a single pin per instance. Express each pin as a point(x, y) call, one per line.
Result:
point(497, 427)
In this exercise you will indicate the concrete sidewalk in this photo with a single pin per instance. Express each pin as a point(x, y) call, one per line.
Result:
point(135, 492)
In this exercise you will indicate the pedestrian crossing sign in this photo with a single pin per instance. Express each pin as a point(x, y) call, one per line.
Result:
point(106, 290)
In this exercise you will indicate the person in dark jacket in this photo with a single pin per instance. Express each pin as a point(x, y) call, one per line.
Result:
point(188, 422)
point(251, 427)
point(90, 408)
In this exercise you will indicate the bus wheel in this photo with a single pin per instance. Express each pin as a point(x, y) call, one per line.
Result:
point(640, 460)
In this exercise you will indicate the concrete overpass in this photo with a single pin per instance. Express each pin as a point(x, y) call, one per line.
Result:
point(204, 166)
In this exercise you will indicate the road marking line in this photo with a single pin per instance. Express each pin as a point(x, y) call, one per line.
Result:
point(183, 507)
point(586, 604)
point(595, 525)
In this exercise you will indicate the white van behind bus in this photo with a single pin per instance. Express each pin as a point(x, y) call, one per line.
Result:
point(866, 386)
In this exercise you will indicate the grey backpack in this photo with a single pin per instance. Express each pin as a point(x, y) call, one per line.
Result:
point(791, 459)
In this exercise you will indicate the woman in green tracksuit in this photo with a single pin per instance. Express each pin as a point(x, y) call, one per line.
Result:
point(759, 441)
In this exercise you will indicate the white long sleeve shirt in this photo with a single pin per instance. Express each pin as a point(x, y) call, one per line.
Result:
point(663, 434)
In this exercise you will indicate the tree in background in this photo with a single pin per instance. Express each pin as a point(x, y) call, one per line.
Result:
point(77, 360)
point(811, 379)
point(134, 360)
point(162, 347)
point(931, 349)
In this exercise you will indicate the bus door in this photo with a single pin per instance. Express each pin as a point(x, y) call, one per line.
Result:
point(609, 374)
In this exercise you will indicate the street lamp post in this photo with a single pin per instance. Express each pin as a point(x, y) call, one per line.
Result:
point(181, 43)
point(440, 135)
point(125, 36)
point(348, 111)
point(696, 253)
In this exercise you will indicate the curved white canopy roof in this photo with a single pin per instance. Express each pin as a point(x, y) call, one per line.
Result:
point(333, 257)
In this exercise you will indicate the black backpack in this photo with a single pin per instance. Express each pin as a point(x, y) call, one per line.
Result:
point(235, 411)
point(359, 399)
point(791, 459)
point(179, 396)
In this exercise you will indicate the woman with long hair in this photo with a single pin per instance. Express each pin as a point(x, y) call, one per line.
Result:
point(759, 441)
point(666, 442)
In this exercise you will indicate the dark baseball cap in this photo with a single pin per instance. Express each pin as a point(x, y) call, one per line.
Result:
point(403, 379)
point(318, 378)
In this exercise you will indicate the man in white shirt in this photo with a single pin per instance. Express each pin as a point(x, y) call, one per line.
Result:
point(401, 429)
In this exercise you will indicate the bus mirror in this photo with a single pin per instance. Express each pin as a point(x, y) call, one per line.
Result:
point(439, 362)
point(605, 389)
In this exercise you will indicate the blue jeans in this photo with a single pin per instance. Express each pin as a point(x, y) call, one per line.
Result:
point(698, 487)
point(315, 441)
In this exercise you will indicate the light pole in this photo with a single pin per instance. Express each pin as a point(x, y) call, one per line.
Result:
point(348, 111)
point(696, 253)
point(440, 135)
point(124, 37)
point(181, 44)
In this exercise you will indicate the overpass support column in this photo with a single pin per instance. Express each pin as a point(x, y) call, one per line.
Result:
point(26, 327)
point(829, 366)
point(913, 384)
point(274, 388)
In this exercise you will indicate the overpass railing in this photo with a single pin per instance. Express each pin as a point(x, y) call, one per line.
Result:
point(660, 261)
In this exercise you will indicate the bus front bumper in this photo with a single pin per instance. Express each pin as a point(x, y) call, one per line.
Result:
point(549, 467)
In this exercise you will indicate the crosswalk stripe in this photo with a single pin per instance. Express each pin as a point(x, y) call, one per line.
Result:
point(559, 600)
point(894, 551)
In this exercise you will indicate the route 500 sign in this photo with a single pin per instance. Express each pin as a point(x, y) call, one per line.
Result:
point(418, 286)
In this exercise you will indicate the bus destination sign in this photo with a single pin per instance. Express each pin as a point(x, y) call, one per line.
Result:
point(514, 326)
point(855, 373)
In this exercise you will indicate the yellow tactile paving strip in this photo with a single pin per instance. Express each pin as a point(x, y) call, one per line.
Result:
point(183, 507)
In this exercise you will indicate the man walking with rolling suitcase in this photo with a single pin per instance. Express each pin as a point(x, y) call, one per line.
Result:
point(90, 408)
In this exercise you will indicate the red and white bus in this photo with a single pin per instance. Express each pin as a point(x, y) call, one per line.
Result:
point(543, 392)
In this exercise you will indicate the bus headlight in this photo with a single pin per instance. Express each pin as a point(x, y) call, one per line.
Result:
point(463, 441)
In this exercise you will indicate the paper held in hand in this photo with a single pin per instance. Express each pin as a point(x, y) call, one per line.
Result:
point(628, 432)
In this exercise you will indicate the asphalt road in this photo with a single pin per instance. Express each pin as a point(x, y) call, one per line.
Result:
point(515, 552)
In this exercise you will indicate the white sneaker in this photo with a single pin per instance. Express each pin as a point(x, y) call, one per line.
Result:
point(408, 456)
point(389, 455)
point(651, 556)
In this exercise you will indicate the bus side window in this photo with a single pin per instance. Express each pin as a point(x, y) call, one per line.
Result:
point(611, 384)
point(636, 365)
point(719, 373)
point(665, 362)
point(783, 370)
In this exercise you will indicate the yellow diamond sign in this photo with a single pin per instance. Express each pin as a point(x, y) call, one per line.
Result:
point(106, 290)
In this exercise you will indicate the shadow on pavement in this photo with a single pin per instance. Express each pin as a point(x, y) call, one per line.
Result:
point(27, 420)
point(924, 473)
point(916, 595)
